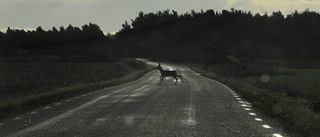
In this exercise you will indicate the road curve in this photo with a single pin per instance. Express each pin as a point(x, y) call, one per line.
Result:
point(196, 107)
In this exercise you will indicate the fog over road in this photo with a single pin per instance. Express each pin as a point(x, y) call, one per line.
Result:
point(197, 107)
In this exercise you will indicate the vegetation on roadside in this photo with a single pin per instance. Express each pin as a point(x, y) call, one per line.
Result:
point(206, 37)
point(30, 85)
point(270, 94)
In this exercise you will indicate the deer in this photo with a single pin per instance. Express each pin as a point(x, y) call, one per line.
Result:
point(165, 73)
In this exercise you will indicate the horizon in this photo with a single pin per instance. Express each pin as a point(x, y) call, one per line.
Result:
point(114, 32)
point(111, 14)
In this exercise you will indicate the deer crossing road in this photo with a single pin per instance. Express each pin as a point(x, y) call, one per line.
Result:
point(196, 107)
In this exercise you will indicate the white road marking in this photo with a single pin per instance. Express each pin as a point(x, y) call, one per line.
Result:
point(68, 100)
point(245, 105)
point(276, 135)
point(1, 124)
point(191, 114)
point(99, 122)
point(47, 107)
point(34, 112)
point(62, 116)
point(252, 114)
point(84, 95)
point(128, 100)
point(248, 109)
point(266, 126)
point(17, 118)
point(135, 93)
point(258, 119)
point(57, 104)
point(241, 102)
point(140, 91)
point(77, 97)
point(122, 96)
point(191, 121)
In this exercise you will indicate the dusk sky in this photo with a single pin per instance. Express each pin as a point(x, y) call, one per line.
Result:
point(111, 14)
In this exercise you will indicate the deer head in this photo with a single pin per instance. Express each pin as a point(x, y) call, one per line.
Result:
point(159, 67)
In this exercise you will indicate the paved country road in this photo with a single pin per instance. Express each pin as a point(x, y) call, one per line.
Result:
point(197, 107)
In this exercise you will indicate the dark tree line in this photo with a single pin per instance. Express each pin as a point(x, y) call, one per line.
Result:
point(210, 36)
point(204, 37)
point(87, 43)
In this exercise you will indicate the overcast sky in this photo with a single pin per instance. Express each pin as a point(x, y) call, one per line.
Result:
point(111, 14)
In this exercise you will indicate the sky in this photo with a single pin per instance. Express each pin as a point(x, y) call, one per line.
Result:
point(111, 14)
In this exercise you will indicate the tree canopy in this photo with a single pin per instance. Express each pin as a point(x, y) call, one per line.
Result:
point(206, 37)
point(209, 36)
point(66, 44)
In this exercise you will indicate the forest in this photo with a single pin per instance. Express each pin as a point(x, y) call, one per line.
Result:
point(70, 44)
point(212, 37)
point(206, 37)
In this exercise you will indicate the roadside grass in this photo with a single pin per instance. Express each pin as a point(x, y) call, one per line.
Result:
point(27, 78)
point(301, 83)
point(294, 112)
point(25, 100)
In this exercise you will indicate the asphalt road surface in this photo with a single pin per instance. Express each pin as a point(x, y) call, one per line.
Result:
point(197, 107)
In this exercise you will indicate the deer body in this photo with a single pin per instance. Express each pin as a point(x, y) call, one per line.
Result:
point(166, 73)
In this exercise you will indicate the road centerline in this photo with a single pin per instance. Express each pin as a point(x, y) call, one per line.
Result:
point(191, 114)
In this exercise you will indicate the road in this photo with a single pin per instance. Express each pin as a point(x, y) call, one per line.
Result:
point(196, 107)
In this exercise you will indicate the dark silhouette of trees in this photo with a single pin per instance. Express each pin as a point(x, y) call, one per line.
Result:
point(207, 37)
point(66, 44)
point(210, 36)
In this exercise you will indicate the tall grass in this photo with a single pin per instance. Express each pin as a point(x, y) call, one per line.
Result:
point(290, 78)
point(30, 85)
point(25, 78)
point(300, 83)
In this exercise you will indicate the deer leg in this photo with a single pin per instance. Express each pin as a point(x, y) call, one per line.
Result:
point(176, 79)
point(180, 77)
point(161, 78)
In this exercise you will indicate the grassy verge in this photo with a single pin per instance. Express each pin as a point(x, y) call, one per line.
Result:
point(302, 83)
point(293, 112)
point(16, 105)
